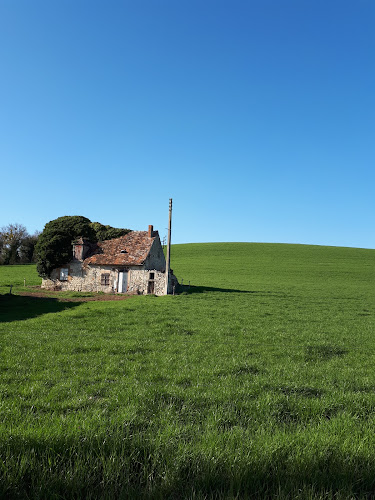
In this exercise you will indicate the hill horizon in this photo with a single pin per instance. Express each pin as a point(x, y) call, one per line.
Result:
point(271, 243)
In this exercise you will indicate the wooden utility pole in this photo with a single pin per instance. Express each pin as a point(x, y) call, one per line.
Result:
point(168, 263)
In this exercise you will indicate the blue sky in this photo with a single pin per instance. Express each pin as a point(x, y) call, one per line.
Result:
point(256, 117)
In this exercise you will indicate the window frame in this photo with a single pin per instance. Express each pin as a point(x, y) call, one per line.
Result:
point(105, 279)
point(64, 275)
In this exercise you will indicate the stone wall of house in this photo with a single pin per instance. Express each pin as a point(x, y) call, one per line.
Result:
point(173, 283)
point(82, 279)
point(88, 279)
point(146, 281)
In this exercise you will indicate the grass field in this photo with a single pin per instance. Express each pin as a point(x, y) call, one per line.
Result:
point(257, 382)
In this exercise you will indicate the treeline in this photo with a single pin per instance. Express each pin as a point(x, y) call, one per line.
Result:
point(17, 245)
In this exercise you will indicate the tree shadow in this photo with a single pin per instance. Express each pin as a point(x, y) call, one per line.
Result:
point(18, 308)
point(325, 476)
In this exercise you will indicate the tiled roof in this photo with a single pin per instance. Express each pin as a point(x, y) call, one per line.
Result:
point(129, 250)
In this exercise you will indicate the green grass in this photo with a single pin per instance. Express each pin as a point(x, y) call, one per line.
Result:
point(15, 276)
point(256, 382)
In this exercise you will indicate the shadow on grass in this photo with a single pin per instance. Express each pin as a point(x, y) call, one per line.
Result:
point(323, 352)
point(204, 289)
point(132, 467)
point(16, 307)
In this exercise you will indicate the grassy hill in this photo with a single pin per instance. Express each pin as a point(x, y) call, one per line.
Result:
point(257, 381)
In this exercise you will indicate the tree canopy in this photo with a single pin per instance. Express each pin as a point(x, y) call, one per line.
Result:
point(54, 247)
point(16, 244)
point(107, 232)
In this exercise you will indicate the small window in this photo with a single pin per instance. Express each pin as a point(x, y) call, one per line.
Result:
point(64, 274)
point(152, 276)
point(104, 279)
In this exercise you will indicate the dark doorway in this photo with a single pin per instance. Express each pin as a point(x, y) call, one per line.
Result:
point(151, 287)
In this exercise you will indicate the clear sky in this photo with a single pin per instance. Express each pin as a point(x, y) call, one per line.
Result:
point(256, 116)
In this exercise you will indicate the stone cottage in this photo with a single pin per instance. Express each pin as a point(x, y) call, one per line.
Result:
point(133, 263)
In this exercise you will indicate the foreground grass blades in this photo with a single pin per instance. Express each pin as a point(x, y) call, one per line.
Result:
point(256, 382)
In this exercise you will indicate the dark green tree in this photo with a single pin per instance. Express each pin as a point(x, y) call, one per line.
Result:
point(54, 247)
point(27, 248)
point(108, 232)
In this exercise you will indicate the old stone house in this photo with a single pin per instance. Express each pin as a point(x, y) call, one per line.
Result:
point(133, 263)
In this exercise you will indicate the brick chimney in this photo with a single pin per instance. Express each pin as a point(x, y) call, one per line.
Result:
point(150, 231)
point(81, 247)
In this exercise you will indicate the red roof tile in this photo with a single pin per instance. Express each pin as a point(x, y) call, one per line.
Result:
point(129, 250)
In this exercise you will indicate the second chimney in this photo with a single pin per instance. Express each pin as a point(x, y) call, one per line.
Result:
point(150, 231)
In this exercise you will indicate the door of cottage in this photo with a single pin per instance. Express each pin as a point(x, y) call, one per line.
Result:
point(122, 281)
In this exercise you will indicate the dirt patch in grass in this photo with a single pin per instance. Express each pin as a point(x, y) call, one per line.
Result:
point(83, 298)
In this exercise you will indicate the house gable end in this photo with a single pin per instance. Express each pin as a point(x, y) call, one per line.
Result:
point(155, 258)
